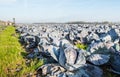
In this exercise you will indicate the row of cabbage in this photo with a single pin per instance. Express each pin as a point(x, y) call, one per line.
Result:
point(56, 44)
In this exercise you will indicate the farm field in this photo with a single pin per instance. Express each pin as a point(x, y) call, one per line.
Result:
point(27, 54)
point(73, 50)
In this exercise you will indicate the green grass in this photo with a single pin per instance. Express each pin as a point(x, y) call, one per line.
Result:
point(10, 55)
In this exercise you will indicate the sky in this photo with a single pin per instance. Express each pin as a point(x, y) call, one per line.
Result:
point(32, 11)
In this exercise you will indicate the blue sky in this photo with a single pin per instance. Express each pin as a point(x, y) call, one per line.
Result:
point(29, 11)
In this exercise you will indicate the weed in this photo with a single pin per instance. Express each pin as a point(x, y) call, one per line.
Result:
point(81, 46)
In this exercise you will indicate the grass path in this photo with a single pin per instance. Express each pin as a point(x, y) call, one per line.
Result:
point(10, 55)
